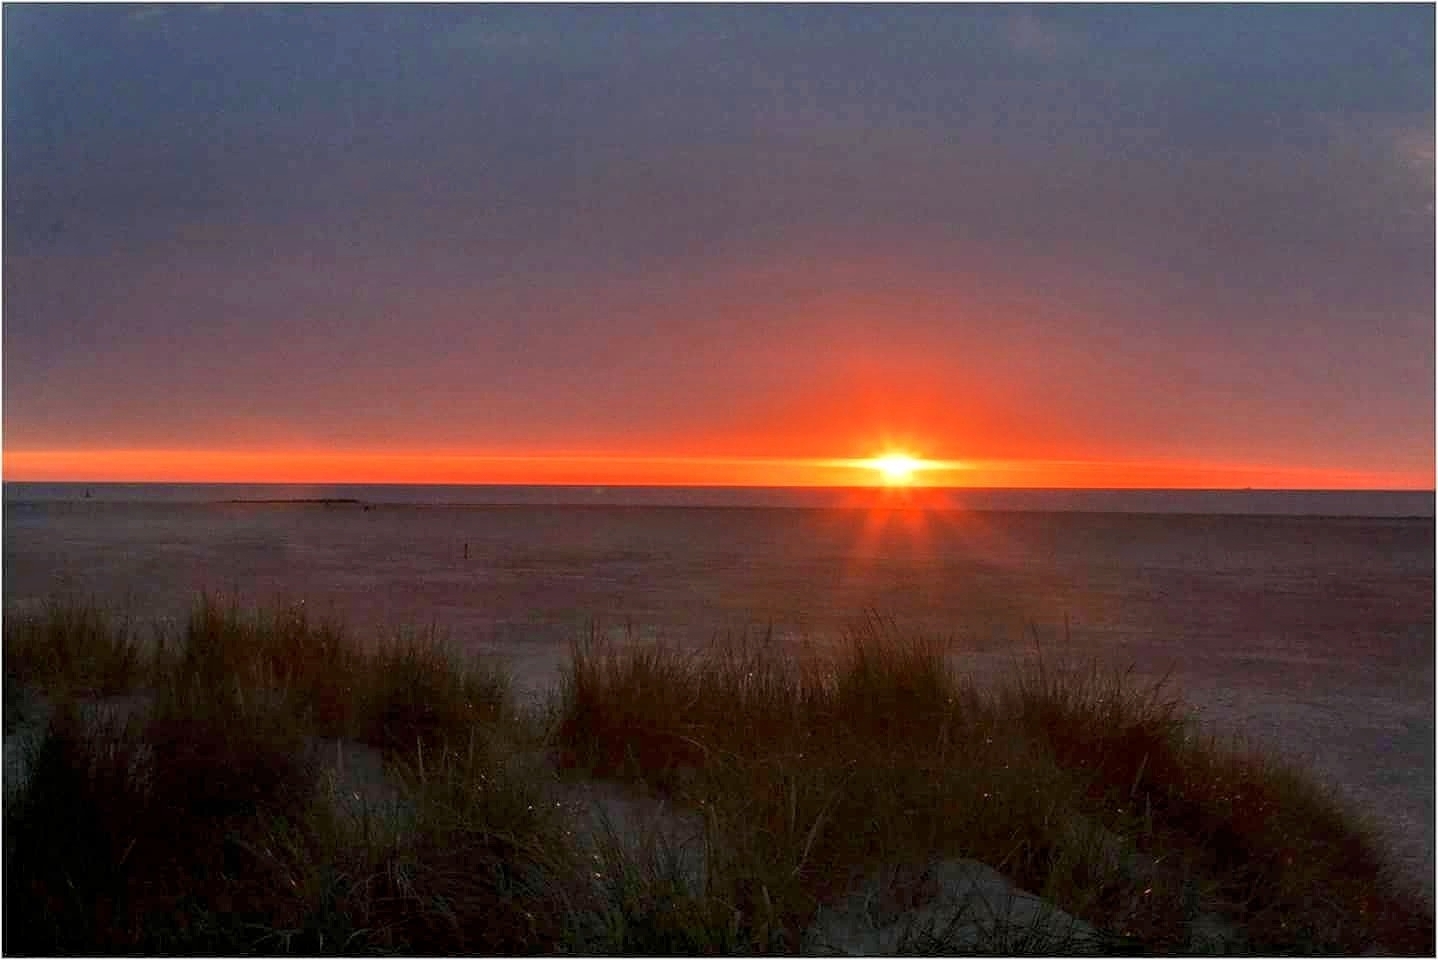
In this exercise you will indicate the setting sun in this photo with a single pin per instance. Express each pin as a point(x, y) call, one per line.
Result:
point(897, 469)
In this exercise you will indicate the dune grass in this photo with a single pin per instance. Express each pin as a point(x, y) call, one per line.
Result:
point(1091, 790)
point(74, 647)
point(191, 814)
point(178, 801)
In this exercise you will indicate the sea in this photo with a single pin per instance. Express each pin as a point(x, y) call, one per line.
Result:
point(1299, 621)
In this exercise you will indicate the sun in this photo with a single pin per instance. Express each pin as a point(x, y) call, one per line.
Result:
point(897, 469)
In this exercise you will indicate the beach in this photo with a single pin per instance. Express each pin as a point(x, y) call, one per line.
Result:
point(1310, 636)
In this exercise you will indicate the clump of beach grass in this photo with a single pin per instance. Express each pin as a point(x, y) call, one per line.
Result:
point(175, 801)
point(74, 646)
point(1090, 790)
point(1257, 844)
point(409, 689)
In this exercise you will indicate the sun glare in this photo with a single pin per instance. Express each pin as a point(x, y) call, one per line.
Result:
point(897, 469)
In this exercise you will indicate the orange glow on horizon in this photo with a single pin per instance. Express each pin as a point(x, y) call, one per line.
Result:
point(895, 470)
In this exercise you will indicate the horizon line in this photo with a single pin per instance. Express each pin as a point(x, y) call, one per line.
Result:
point(909, 488)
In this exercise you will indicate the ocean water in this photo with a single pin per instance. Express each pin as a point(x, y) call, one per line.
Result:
point(1336, 503)
point(1303, 621)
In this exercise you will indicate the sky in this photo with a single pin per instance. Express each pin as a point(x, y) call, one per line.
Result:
point(1186, 246)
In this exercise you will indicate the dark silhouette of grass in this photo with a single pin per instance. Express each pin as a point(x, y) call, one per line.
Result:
point(193, 815)
point(75, 647)
point(1091, 790)
point(1271, 847)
